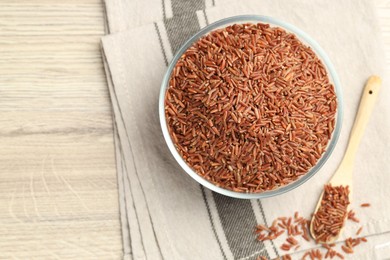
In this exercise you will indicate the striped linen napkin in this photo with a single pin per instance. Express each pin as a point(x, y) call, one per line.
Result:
point(167, 215)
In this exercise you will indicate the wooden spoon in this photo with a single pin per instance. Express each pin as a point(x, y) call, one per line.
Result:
point(343, 174)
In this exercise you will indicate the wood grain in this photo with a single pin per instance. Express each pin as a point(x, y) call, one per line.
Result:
point(58, 191)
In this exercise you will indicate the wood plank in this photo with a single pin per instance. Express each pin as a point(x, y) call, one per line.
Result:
point(58, 189)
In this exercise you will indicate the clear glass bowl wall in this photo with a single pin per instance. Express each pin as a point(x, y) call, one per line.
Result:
point(307, 40)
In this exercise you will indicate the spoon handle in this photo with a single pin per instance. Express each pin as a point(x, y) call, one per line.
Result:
point(366, 106)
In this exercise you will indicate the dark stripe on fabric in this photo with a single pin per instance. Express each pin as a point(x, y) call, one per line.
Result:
point(205, 17)
point(163, 9)
point(266, 223)
point(161, 44)
point(238, 221)
point(213, 2)
point(184, 22)
point(180, 28)
point(212, 222)
point(187, 6)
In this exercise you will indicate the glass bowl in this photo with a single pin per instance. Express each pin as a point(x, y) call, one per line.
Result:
point(307, 40)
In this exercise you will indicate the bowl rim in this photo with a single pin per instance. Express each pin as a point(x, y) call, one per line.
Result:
point(306, 39)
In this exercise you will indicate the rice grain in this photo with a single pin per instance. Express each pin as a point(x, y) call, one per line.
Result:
point(250, 108)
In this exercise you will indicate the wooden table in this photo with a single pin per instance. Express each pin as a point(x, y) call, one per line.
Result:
point(58, 190)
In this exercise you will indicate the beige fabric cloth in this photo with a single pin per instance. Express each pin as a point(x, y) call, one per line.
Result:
point(166, 214)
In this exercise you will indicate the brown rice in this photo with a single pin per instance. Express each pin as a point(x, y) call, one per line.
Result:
point(250, 108)
point(330, 216)
point(280, 227)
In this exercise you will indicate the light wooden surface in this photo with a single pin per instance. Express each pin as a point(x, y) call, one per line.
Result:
point(58, 191)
